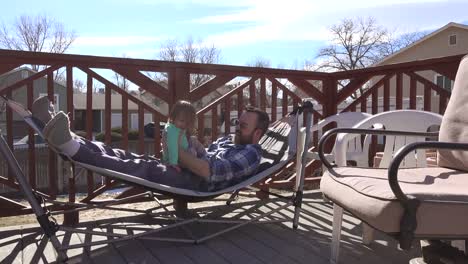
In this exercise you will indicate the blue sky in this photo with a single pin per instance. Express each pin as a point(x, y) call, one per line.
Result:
point(285, 32)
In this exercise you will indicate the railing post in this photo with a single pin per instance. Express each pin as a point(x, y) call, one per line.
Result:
point(330, 104)
point(72, 218)
point(179, 85)
point(330, 92)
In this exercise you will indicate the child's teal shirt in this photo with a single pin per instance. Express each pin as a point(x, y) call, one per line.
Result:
point(171, 150)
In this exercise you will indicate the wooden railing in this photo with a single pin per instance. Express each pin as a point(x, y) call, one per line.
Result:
point(230, 89)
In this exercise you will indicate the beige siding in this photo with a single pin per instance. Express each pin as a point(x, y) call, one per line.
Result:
point(433, 47)
point(20, 95)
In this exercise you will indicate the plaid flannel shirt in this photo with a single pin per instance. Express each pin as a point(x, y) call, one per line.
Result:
point(231, 163)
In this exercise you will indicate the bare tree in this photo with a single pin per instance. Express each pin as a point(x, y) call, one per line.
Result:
point(260, 62)
point(78, 86)
point(357, 44)
point(36, 33)
point(122, 82)
point(193, 52)
point(396, 43)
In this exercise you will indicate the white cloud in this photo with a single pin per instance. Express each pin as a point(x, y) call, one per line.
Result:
point(273, 10)
point(143, 53)
point(186, 3)
point(276, 20)
point(107, 41)
point(248, 22)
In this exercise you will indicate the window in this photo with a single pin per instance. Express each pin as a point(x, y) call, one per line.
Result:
point(453, 40)
point(443, 82)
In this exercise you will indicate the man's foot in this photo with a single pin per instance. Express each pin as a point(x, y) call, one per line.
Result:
point(43, 109)
point(57, 130)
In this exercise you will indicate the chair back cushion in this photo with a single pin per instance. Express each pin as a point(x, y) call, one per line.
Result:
point(454, 127)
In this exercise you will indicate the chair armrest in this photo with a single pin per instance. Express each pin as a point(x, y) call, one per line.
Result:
point(408, 222)
point(365, 132)
point(400, 155)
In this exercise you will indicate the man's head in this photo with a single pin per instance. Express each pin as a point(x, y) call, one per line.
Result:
point(253, 123)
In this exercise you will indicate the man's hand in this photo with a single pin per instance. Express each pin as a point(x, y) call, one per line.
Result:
point(198, 166)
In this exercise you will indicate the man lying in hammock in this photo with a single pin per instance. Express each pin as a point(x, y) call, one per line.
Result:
point(228, 161)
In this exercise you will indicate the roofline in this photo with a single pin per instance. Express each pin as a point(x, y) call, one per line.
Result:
point(451, 24)
point(23, 67)
point(26, 68)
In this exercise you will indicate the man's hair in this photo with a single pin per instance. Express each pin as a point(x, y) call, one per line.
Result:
point(263, 120)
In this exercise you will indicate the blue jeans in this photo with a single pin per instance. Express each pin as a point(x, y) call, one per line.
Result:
point(142, 166)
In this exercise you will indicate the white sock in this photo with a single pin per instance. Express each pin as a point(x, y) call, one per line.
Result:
point(70, 148)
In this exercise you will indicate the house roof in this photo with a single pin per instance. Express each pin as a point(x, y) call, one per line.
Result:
point(449, 25)
point(79, 102)
point(23, 68)
point(26, 68)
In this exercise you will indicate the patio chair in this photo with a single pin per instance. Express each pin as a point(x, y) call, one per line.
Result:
point(279, 148)
point(408, 203)
point(399, 120)
point(357, 150)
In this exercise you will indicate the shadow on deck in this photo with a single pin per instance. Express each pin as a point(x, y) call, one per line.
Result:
point(253, 243)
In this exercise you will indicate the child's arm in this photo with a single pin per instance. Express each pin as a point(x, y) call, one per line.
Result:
point(171, 144)
point(200, 150)
point(172, 141)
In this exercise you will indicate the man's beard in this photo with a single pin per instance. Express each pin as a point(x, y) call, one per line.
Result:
point(243, 139)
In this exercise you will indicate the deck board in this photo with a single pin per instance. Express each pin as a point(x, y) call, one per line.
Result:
point(134, 251)
point(104, 253)
point(253, 243)
point(76, 255)
point(259, 248)
point(11, 246)
point(231, 251)
point(36, 249)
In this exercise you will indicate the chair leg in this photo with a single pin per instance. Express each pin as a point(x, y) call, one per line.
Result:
point(180, 207)
point(336, 234)
point(297, 209)
point(367, 234)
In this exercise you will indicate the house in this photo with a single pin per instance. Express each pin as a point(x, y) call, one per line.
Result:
point(60, 102)
point(19, 95)
point(449, 40)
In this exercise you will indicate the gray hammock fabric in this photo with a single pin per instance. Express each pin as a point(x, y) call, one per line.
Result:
point(278, 148)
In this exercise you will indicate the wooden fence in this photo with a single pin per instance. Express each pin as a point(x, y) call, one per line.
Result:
point(63, 169)
point(166, 82)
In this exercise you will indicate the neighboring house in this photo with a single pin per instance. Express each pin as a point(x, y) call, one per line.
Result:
point(60, 102)
point(449, 40)
point(19, 95)
point(79, 102)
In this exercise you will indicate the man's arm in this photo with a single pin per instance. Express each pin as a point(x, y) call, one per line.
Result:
point(198, 166)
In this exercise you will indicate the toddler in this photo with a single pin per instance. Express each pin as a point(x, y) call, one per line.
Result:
point(181, 121)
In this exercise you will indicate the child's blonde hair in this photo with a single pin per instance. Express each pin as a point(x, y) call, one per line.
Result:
point(188, 111)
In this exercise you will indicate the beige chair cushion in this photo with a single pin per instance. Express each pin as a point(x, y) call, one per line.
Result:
point(366, 194)
point(454, 127)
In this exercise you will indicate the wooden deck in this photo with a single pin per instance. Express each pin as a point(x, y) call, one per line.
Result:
point(253, 243)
